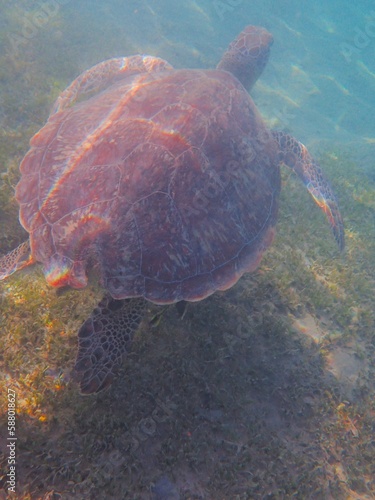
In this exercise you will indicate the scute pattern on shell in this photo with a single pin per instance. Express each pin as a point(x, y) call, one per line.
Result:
point(169, 182)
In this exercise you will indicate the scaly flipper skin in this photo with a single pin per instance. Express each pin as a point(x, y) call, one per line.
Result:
point(296, 156)
point(103, 339)
point(15, 260)
point(105, 73)
point(247, 55)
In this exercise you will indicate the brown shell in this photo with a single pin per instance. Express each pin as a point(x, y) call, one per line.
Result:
point(167, 183)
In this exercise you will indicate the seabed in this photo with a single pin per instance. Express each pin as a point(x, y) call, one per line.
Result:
point(266, 391)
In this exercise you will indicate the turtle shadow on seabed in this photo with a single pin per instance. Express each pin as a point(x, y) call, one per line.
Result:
point(231, 400)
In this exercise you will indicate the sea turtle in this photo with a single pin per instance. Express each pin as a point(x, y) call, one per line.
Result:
point(164, 181)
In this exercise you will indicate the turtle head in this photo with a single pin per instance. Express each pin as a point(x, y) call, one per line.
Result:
point(247, 55)
point(61, 271)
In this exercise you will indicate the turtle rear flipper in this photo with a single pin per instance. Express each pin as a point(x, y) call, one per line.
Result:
point(103, 339)
point(104, 74)
point(247, 55)
point(15, 260)
point(296, 156)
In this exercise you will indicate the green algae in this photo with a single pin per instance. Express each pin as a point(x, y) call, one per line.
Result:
point(236, 400)
point(232, 401)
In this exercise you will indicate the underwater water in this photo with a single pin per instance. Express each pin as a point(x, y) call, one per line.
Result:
point(264, 391)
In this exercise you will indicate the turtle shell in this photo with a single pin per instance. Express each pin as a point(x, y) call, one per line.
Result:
point(167, 184)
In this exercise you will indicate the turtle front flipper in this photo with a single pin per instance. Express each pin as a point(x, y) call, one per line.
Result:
point(105, 73)
point(15, 260)
point(103, 339)
point(296, 156)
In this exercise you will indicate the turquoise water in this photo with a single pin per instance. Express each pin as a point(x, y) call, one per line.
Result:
point(231, 425)
point(320, 78)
